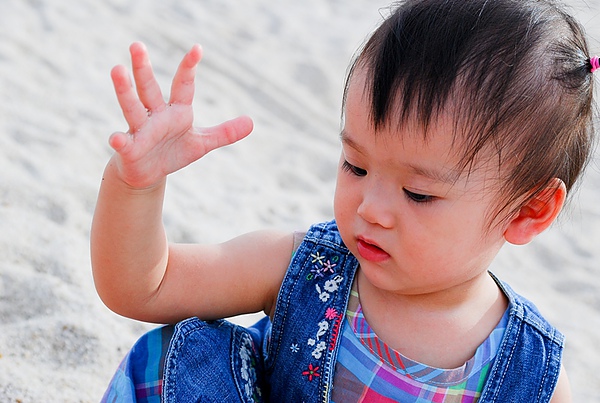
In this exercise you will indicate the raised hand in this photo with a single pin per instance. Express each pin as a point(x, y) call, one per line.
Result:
point(161, 138)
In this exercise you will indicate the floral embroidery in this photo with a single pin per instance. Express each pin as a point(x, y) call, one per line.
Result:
point(328, 266)
point(331, 313)
point(294, 348)
point(335, 331)
point(247, 370)
point(311, 372)
point(320, 265)
point(318, 351)
point(323, 266)
point(334, 284)
point(321, 346)
point(330, 286)
point(317, 258)
point(323, 328)
point(317, 271)
point(323, 295)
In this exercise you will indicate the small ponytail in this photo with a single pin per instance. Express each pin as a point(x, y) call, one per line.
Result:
point(594, 63)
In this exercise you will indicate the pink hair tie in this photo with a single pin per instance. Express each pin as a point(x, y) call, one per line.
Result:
point(595, 63)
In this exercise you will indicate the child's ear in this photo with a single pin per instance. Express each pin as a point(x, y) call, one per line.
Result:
point(537, 214)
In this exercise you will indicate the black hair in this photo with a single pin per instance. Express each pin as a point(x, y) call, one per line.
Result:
point(515, 75)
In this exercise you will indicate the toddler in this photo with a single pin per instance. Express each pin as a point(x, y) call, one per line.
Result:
point(465, 125)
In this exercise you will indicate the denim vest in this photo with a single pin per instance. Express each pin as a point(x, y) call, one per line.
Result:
point(293, 358)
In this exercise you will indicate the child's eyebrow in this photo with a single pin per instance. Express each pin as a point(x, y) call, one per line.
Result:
point(349, 142)
point(445, 176)
point(448, 176)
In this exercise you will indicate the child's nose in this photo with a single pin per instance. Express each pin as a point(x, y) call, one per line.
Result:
point(377, 206)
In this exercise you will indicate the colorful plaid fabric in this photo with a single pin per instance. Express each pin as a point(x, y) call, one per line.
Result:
point(139, 377)
point(369, 371)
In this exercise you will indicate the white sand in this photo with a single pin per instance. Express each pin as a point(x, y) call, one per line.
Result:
point(281, 62)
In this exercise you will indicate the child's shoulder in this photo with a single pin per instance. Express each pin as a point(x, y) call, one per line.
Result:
point(524, 310)
point(324, 232)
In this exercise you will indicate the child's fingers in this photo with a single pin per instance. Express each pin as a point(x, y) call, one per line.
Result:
point(183, 86)
point(147, 87)
point(226, 133)
point(118, 140)
point(135, 113)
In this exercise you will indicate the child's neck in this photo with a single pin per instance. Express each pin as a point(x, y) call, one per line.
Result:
point(441, 329)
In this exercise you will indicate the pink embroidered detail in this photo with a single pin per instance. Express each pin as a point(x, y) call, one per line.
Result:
point(331, 313)
point(335, 332)
point(328, 266)
point(311, 372)
point(321, 265)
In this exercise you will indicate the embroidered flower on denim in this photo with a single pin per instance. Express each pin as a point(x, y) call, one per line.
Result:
point(317, 271)
point(323, 328)
point(323, 295)
point(328, 266)
point(317, 257)
point(311, 372)
point(334, 284)
point(247, 370)
point(330, 286)
point(321, 346)
point(331, 313)
point(321, 265)
point(318, 351)
point(294, 348)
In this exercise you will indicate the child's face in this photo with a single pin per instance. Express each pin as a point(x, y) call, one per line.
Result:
point(415, 223)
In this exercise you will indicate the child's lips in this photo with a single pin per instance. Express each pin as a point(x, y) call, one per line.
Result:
point(371, 252)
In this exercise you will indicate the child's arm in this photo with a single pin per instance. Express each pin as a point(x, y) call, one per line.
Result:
point(136, 272)
point(562, 392)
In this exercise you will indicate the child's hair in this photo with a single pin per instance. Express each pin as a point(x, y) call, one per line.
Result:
point(514, 75)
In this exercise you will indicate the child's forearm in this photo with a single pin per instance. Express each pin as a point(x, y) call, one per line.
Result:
point(137, 274)
point(129, 249)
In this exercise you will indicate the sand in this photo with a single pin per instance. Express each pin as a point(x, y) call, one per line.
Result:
point(282, 63)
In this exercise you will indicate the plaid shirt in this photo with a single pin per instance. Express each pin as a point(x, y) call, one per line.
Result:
point(369, 371)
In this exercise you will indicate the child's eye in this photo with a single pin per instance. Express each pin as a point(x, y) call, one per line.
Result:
point(346, 166)
point(418, 198)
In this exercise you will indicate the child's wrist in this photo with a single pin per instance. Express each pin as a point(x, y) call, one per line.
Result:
point(114, 174)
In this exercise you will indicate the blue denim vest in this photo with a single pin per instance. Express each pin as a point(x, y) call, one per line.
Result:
point(293, 358)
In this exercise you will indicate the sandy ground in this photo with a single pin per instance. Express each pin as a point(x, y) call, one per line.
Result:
point(281, 62)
